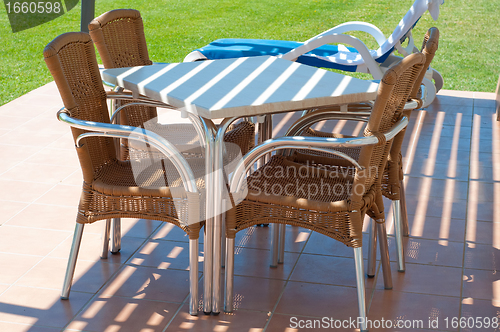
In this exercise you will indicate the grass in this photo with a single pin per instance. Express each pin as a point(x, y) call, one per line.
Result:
point(468, 55)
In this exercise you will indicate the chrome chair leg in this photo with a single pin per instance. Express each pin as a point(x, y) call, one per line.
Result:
point(229, 280)
point(223, 236)
point(384, 254)
point(360, 285)
point(274, 244)
point(105, 239)
point(73, 255)
point(404, 212)
point(116, 235)
point(372, 249)
point(216, 274)
point(281, 252)
point(398, 232)
point(207, 266)
point(193, 276)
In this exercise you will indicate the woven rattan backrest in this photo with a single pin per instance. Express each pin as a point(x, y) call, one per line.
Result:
point(392, 96)
point(429, 48)
point(120, 41)
point(391, 185)
point(72, 62)
point(119, 38)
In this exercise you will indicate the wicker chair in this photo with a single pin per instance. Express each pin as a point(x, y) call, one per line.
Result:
point(346, 189)
point(392, 180)
point(120, 41)
point(169, 190)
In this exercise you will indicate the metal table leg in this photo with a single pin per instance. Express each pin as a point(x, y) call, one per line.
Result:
point(218, 191)
point(209, 204)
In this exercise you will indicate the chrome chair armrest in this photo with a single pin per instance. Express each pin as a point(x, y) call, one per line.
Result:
point(139, 102)
point(121, 95)
point(320, 144)
point(137, 134)
point(311, 118)
point(414, 103)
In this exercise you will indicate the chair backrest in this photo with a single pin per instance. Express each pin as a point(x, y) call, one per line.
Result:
point(392, 95)
point(72, 62)
point(429, 48)
point(119, 38)
point(407, 23)
point(120, 41)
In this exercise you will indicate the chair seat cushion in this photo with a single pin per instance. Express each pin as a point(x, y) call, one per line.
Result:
point(154, 177)
point(239, 139)
point(296, 193)
point(286, 182)
point(148, 190)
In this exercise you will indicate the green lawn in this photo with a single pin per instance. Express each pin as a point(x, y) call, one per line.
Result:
point(468, 56)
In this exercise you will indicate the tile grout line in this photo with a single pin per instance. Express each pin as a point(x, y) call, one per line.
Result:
point(186, 300)
point(26, 207)
point(34, 266)
point(37, 228)
point(34, 182)
point(31, 325)
point(23, 160)
point(42, 147)
point(35, 200)
point(273, 310)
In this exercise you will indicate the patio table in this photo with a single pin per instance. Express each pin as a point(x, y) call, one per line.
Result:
point(231, 89)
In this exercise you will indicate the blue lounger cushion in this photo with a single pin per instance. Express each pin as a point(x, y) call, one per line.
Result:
point(237, 48)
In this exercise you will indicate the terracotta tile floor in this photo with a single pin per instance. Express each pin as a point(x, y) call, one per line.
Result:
point(452, 155)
